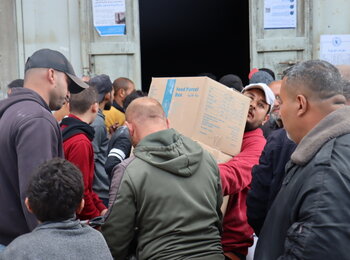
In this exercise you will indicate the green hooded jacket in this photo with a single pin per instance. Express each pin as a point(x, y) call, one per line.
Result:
point(169, 199)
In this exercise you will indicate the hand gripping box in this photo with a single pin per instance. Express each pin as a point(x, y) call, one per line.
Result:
point(204, 110)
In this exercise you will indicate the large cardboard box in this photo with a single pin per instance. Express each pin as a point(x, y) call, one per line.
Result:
point(205, 110)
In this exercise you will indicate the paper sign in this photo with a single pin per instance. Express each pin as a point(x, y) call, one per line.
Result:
point(335, 49)
point(280, 14)
point(109, 17)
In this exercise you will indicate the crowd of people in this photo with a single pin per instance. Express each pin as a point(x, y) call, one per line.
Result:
point(105, 176)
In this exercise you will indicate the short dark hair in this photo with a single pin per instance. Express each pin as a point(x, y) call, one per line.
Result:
point(17, 83)
point(320, 77)
point(272, 74)
point(133, 95)
point(232, 81)
point(121, 83)
point(81, 102)
point(55, 190)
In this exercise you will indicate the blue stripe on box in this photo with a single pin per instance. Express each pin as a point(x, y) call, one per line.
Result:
point(168, 95)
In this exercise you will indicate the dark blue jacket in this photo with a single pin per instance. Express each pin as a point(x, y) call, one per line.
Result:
point(268, 177)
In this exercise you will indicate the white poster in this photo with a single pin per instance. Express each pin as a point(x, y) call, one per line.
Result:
point(109, 17)
point(335, 49)
point(280, 14)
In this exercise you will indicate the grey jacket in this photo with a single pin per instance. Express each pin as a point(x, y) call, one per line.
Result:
point(29, 136)
point(171, 194)
point(59, 240)
point(100, 145)
point(310, 217)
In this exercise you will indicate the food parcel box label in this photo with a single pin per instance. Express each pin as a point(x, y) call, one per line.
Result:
point(204, 110)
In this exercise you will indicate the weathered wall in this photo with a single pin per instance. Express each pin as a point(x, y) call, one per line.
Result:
point(8, 45)
point(329, 17)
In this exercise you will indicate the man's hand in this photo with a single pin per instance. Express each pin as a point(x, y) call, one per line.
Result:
point(113, 128)
point(103, 212)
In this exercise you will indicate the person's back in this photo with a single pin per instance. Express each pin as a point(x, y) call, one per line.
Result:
point(54, 194)
point(170, 194)
point(119, 146)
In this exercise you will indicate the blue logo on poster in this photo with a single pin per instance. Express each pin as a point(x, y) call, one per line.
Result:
point(336, 41)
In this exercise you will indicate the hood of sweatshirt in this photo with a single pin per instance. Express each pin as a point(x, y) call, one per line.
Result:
point(21, 94)
point(170, 151)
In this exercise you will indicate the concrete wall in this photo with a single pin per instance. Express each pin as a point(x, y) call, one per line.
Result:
point(8, 45)
point(329, 17)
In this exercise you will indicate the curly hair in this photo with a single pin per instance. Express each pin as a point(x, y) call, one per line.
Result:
point(55, 190)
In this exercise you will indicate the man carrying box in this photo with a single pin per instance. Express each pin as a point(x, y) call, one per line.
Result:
point(236, 174)
point(170, 195)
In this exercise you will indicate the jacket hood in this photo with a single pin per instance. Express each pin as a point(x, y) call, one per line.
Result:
point(333, 125)
point(21, 94)
point(171, 152)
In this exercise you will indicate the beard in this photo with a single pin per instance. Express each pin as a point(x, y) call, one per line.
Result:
point(55, 101)
point(108, 105)
point(250, 126)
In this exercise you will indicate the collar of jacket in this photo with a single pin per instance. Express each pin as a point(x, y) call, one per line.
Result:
point(333, 125)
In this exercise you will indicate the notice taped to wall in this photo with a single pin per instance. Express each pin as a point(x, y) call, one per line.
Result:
point(280, 14)
point(335, 49)
point(109, 17)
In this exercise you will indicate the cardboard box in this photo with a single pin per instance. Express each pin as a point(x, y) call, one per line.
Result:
point(204, 110)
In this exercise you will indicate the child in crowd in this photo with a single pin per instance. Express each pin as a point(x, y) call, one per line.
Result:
point(54, 195)
point(77, 144)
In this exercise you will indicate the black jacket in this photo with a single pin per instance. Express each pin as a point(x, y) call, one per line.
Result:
point(310, 217)
point(29, 136)
point(267, 177)
point(119, 148)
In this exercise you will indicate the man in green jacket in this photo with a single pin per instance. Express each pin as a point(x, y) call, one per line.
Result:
point(170, 196)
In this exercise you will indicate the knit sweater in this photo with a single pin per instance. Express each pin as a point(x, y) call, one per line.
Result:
point(59, 240)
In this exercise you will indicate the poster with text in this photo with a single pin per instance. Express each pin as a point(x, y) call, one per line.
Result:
point(280, 14)
point(335, 49)
point(109, 17)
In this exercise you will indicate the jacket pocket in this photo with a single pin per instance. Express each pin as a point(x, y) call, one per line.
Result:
point(296, 239)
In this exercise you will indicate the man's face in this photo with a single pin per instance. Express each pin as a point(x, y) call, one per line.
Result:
point(129, 90)
point(59, 94)
point(275, 86)
point(288, 111)
point(258, 109)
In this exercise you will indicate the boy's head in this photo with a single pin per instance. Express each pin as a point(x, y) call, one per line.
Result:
point(84, 102)
point(55, 191)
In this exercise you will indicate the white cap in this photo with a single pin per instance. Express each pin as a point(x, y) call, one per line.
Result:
point(269, 96)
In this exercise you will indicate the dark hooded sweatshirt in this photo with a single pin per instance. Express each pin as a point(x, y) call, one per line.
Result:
point(29, 136)
point(171, 194)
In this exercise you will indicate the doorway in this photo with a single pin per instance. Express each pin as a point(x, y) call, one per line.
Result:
point(189, 37)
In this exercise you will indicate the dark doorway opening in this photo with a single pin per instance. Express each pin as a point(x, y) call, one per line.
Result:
point(188, 37)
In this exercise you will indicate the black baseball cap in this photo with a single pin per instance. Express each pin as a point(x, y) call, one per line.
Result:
point(46, 58)
point(103, 84)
